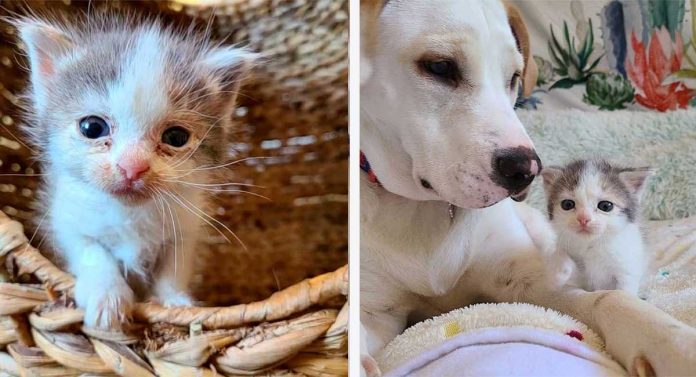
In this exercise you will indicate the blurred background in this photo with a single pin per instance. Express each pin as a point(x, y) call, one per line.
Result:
point(293, 110)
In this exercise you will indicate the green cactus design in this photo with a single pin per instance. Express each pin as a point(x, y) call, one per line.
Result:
point(546, 73)
point(570, 62)
point(608, 91)
point(667, 13)
point(689, 70)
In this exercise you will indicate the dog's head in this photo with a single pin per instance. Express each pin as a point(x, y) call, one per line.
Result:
point(439, 82)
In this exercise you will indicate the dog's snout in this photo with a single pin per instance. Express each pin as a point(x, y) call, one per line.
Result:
point(515, 168)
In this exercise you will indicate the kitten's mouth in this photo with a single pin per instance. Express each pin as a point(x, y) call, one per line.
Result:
point(585, 231)
point(130, 191)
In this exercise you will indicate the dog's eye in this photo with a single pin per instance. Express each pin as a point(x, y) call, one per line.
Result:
point(567, 204)
point(514, 81)
point(605, 206)
point(446, 71)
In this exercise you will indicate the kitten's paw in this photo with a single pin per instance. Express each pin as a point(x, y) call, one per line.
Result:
point(176, 299)
point(559, 268)
point(109, 309)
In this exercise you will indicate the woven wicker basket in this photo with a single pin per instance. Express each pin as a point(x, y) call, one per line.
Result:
point(288, 293)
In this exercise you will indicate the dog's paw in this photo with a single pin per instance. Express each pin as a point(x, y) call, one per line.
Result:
point(107, 309)
point(644, 339)
point(642, 368)
point(369, 367)
point(11, 235)
point(673, 355)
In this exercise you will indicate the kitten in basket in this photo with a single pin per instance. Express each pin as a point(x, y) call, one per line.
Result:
point(129, 119)
point(594, 207)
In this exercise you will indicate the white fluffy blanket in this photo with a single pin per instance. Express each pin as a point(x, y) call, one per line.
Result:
point(670, 283)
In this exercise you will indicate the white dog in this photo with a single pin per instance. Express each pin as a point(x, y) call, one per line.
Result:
point(444, 151)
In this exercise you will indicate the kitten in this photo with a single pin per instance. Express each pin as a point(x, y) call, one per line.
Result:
point(594, 209)
point(129, 119)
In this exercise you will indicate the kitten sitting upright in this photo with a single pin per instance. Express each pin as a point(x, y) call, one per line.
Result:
point(129, 119)
point(594, 208)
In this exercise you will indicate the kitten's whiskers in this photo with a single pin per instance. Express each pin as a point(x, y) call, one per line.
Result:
point(22, 175)
point(174, 195)
point(232, 191)
point(38, 226)
point(174, 234)
point(18, 140)
point(211, 167)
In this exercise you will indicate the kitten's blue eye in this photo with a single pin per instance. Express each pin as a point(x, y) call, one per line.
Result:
point(567, 204)
point(605, 206)
point(175, 136)
point(94, 127)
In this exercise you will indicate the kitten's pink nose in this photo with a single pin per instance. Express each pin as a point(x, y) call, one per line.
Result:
point(584, 219)
point(132, 169)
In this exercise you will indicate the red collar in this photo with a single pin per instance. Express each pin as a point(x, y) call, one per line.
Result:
point(365, 166)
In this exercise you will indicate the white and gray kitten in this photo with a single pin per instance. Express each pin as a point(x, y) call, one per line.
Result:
point(594, 208)
point(129, 119)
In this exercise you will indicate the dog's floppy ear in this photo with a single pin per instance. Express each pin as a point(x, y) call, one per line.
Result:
point(519, 30)
point(369, 24)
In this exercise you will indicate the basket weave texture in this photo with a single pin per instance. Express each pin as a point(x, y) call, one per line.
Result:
point(294, 110)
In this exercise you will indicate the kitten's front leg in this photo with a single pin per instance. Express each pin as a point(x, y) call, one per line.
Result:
point(100, 289)
point(174, 275)
point(628, 283)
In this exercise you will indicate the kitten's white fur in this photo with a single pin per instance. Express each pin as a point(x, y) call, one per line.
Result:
point(611, 261)
point(116, 248)
point(612, 254)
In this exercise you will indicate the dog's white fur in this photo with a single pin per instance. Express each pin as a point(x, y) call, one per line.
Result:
point(415, 261)
point(443, 135)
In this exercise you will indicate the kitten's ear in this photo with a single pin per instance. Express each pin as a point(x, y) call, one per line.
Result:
point(45, 44)
point(231, 65)
point(550, 175)
point(635, 178)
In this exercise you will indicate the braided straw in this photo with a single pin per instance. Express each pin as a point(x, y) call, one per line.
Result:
point(42, 329)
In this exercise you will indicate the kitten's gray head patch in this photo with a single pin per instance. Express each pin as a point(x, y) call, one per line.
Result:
point(168, 74)
point(557, 179)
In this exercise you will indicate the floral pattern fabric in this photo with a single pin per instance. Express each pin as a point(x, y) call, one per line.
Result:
point(612, 54)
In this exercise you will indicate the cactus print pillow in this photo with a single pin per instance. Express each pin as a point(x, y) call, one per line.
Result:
point(612, 54)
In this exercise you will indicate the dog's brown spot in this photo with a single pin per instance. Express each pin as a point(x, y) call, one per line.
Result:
point(369, 20)
point(519, 31)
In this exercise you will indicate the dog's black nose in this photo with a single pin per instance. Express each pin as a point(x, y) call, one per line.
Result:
point(515, 168)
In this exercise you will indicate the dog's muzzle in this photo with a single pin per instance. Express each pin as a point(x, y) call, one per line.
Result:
point(514, 169)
